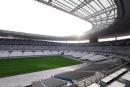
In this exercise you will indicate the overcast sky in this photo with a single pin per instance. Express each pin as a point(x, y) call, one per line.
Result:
point(32, 17)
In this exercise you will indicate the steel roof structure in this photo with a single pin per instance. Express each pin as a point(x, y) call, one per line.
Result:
point(101, 13)
point(108, 17)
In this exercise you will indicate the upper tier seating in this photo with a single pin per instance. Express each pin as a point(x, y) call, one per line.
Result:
point(83, 51)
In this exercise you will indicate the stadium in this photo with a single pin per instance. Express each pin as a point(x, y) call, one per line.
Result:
point(97, 57)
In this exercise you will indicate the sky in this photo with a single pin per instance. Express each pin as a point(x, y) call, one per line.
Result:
point(30, 16)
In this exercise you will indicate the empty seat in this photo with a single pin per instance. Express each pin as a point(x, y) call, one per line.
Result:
point(116, 84)
point(94, 85)
point(112, 76)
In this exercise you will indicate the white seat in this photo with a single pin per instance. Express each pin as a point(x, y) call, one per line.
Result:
point(116, 84)
point(94, 85)
point(126, 76)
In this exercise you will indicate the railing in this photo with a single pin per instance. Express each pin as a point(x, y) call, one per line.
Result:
point(97, 77)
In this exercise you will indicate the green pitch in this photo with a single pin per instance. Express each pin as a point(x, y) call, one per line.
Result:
point(10, 67)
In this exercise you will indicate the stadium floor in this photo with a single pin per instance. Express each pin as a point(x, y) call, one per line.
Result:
point(10, 67)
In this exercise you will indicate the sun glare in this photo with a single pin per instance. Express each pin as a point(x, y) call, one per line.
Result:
point(29, 16)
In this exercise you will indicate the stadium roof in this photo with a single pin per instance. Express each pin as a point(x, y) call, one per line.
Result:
point(109, 17)
point(101, 13)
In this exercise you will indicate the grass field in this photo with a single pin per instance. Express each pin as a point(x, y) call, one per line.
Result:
point(9, 67)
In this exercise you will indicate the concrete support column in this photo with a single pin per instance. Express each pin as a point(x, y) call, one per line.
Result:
point(93, 40)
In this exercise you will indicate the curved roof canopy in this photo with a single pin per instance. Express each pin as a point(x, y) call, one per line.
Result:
point(105, 15)
point(101, 13)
